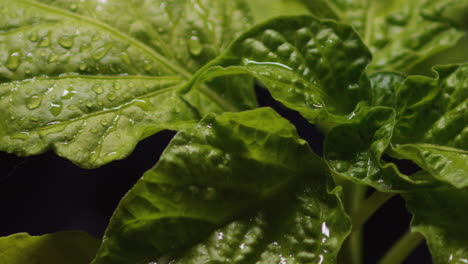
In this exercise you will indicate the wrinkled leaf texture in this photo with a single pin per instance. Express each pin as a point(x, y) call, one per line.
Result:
point(92, 80)
point(238, 188)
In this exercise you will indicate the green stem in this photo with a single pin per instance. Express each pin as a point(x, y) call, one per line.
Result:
point(369, 207)
point(351, 252)
point(401, 249)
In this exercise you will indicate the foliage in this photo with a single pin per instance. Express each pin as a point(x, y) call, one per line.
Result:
point(237, 184)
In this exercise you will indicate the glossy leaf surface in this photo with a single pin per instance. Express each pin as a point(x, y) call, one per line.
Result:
point(400, 33)
point(238, 188)
point(429, 128)
point(90, 83)
point(312, 66)
point(441, 217)
point(65, 247)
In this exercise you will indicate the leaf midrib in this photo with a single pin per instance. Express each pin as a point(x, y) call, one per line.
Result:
point(155, 55)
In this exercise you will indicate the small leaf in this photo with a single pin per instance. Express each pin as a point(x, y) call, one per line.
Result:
point(65, 247)
point(440, 215)
point(429, 129)
point(233, 175)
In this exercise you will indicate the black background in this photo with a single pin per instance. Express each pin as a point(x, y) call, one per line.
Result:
point(45, 193)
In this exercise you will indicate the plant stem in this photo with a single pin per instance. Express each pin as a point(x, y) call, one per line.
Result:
point(351, 252)
point(369, 207)
point(401, 249)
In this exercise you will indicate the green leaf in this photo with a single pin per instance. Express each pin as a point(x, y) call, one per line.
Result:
point(440, 215)
point(239, 187)
point(429, 128)
point(384, 86)
point(354, 152)
point(263, 10)
point(312, 66)
point(91, 82)
point(401, 33)
point(64, 247)
point(437, 111)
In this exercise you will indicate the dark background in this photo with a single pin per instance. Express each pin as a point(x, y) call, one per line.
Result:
point(45, 193)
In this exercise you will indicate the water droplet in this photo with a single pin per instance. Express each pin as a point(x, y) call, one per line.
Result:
point(34, 102)
point(66, 42)
point(33, 36)
point(89, 104)
point(195, 46)
point(117, 86)
point(147, 65)
point(82, 67)
point(104, 123)
point(55, 108)
point(125, 58)
point(34, 118)
point(52, 58)
point(13, 61)
point(97, 88)
point(101, 52)
point(45, 42)
point(27, 71)
point(111, 96)
point(93, 130)
point(68, 93)
point(72, 107)
point(85, 47)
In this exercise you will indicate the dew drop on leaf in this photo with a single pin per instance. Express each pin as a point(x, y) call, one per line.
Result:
point(85, 47)
point(33, 36)
point(13, 61)
point(34, 102)
point(117, 86)
point(125, 58)
point(111, 96)
point(55, 108)
point(45, 42)
point(68, 93)
point(101, 52)
point(195, 45)
point(52, 58)
point(66, 42)
point(82, 67)
point(97, 88)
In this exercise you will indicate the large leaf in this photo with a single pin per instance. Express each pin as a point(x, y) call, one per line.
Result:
point(71, 247)
point(429, 128)
point(240, 187)
point(441, 217)
point(400, 33)
point(312, 66)
point(92, 80)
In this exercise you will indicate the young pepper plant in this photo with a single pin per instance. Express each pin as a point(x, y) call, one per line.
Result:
point(237, 184)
